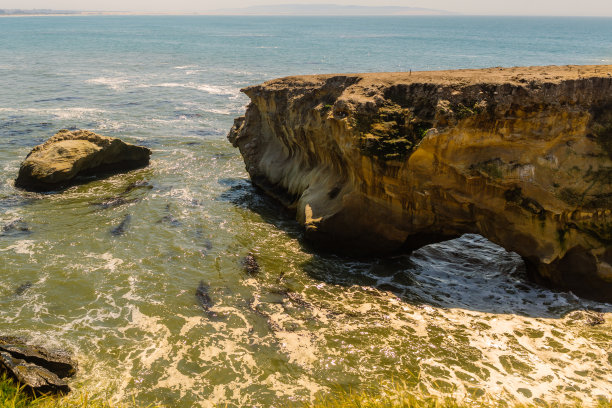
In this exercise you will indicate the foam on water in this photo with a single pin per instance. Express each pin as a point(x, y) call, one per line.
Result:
point(115, 84)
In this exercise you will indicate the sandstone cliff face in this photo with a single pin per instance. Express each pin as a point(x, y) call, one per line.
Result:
point(378, 163)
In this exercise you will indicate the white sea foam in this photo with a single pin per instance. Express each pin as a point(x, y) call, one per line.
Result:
point(60, 113)
point(25, 246)
point(114, 83)
point(210, 89)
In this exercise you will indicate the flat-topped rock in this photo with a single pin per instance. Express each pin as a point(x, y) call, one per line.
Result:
point(42, 371)
point(383, 162)
point(69, 155)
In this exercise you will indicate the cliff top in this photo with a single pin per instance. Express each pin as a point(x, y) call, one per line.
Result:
point(496, 75)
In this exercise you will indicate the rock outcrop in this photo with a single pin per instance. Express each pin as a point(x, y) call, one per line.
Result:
point(377, 163)
point(40, 370)
point(61, 160)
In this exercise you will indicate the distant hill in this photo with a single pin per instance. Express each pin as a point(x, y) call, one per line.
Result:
point(18, 12)
point(329, 10)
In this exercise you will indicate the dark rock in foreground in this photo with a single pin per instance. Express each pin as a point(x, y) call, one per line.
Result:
point(40, 370)
point(58, 162)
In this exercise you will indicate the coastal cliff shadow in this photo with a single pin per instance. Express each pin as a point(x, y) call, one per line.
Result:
point(242, 193)
point(469, 273)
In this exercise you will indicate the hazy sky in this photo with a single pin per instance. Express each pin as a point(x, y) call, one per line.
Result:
point(515, 7)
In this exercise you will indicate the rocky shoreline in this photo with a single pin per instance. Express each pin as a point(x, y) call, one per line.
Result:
point(386, 162)
point(40, 370)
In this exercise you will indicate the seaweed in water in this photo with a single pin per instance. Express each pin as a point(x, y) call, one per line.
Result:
point(203, 297)
point(21, 289)
point(250, 264)
point(205, 301)
point(120, 229)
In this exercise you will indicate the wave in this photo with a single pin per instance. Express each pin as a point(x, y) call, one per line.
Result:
point(210, 89)
point(115, 84)
point(60, 113)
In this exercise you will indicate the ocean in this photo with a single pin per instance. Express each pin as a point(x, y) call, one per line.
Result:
point(456, 318)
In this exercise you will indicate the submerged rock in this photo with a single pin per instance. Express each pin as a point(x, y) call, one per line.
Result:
point(39, 369)
point(15, 228)
point(122, 198)
point(250, 265)
point(379, 163)
point(120, 229)
point(114, 202)
point(67, 155)
point(137, 185)
point(203, 297)
point(21, 289)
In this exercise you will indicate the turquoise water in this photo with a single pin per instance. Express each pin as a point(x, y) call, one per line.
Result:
point(454, 317)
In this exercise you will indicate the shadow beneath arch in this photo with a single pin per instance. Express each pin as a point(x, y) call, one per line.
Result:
point(469, 272)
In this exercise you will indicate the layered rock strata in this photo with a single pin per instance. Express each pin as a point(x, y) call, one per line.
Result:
point(40, 370)
point(377, 163)
point(66, 156)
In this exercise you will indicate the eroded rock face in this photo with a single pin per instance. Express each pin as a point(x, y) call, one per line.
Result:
point(67, 155)
point(376, 163)
point(41, 370)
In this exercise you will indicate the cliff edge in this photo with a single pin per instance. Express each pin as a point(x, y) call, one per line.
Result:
point(382, 162)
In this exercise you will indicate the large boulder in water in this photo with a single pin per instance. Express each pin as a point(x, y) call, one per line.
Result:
point(59, 161)
point(42, 371)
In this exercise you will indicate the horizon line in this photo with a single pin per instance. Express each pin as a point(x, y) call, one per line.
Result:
point(441, 13)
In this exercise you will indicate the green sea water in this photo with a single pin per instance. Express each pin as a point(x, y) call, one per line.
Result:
point(457, 317)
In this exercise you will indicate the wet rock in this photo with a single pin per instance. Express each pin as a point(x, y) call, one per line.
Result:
point(120, 229)
point(59, 362)
point(38, 379)
point(137, 185)
point(114, 202)
point(299, 300)
point(170, 220)
point(122, 198)
point(37, 368)
point(250, 264)
point(587, 317)
point(58, 162)
point(208, 244)
point(15, 228)
point(22, 288)
point(203, 297)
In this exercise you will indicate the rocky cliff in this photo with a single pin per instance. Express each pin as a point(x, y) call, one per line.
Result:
point(376, 163)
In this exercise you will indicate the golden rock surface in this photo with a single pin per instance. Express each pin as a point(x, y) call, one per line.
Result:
point(382, 162)
point(67, 155)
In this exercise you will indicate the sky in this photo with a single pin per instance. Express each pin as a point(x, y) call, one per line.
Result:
point(495, 7)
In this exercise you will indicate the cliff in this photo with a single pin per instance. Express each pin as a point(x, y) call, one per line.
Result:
point(377, 163)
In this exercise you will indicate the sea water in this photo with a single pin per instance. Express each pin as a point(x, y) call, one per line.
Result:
point(456, 318)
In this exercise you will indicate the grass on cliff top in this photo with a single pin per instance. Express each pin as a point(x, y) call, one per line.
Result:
point(14, 396)
point(395, 396)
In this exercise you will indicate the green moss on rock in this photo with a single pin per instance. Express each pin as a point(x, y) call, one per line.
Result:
point(391, 133)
